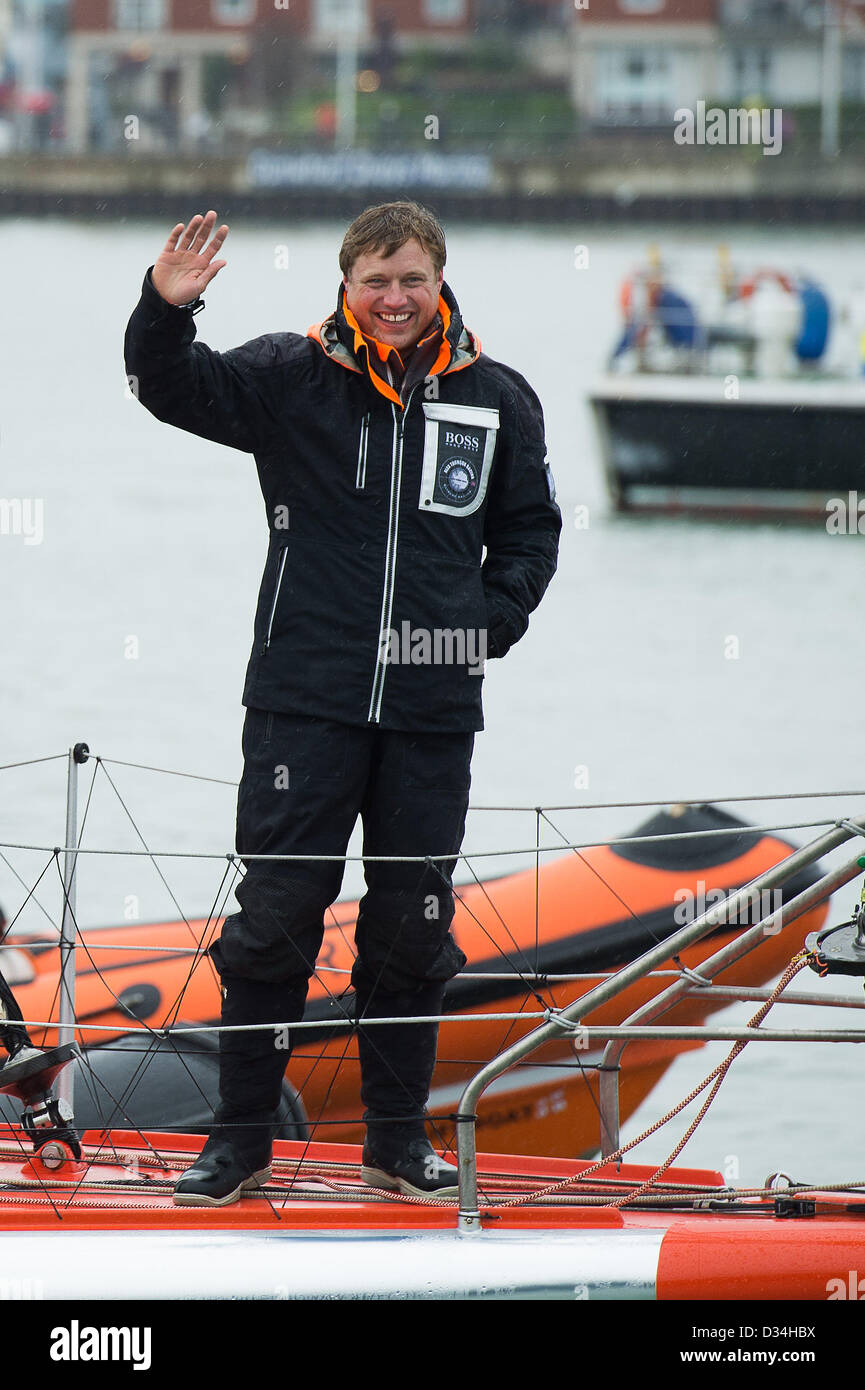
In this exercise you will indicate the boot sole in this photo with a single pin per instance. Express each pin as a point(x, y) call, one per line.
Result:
point(200, 1199)
point(376, 1177)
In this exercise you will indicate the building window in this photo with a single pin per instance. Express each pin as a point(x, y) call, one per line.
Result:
point(852, 73)
point(143, 16)
point(633, 82)
point(333, 17)
point(752, 71)
point(444, 11)
point(233, 11)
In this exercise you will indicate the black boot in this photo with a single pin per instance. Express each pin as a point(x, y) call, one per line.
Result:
point(397, 1063)
point(237, 1156)
point(232, 1162)
point(407, 1165)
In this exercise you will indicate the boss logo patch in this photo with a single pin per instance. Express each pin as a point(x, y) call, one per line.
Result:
point(459, 444)
point(454, 440)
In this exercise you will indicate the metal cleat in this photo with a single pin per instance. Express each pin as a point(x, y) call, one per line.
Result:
point(29, 1076)
point(840, 950)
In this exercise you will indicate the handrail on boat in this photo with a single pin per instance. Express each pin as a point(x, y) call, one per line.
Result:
point(727, 955)
point(692, 932)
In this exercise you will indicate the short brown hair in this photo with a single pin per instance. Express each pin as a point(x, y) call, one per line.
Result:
point(388, 226)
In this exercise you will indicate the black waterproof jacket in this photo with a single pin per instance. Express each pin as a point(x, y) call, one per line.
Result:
point(376, 604)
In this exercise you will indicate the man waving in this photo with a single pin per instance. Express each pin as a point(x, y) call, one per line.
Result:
point(413, 529)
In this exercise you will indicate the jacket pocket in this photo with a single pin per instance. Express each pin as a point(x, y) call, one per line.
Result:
point(360, 477)
point(280, 573)
point(459, 444)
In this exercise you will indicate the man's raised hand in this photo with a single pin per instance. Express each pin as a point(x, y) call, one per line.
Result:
point(186, 265)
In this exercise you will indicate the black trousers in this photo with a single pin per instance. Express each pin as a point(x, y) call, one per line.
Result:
point(304, 783)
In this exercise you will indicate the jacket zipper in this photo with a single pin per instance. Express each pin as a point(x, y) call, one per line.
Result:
point(390, 561)
point(282, 560)
point(360, 480)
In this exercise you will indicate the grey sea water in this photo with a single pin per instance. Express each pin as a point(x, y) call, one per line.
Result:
point(128, 624)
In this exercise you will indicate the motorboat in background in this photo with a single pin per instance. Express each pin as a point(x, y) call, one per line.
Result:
point(745, 397)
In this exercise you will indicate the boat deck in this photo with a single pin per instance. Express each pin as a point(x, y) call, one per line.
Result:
point(311, 1185)
point(317, 1231)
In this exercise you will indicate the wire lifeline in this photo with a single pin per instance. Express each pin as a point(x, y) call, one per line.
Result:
point(147, 1058)
point(30, 762)
point(142, 1065)
point(165, 1031)
point(717, 1075)
point(528, 980)
point(529, 850)
point(581, 806)
point(131, 819)
point(692, 835)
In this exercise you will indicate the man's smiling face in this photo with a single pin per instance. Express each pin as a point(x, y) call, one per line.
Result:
point(394, 298)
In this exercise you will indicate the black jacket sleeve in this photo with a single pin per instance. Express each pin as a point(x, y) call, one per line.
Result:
point(523, 522)
point(223, 396)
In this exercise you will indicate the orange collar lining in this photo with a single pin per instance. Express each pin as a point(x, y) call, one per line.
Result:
point(384, 350)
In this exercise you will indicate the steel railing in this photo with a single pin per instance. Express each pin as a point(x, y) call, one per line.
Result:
point(568, 1019)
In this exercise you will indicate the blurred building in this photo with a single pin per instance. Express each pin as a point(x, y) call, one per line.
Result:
point(6, 75)
point(636, 61)
point(162, 59)
point(32, 70)
point(137, 69)
point(219, 76)
point(323, 21)
point(169, 63)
